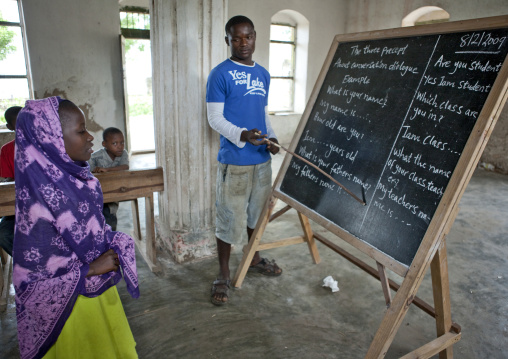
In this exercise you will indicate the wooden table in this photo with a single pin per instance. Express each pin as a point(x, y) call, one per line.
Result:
point(116, 186)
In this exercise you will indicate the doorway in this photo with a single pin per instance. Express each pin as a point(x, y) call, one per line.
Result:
point(137, 65)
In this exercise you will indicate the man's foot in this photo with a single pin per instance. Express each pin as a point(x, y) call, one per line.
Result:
point(266, 267)
point(220, 291)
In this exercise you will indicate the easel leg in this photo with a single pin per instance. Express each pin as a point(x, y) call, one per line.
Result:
point(385, 284)
point(309, 238)
point(405, 296)
point(254, 242)
point(441, 290)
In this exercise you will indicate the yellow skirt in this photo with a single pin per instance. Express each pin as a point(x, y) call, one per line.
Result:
point(96, 328)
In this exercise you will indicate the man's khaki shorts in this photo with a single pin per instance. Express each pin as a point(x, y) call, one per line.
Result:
point(241, 195)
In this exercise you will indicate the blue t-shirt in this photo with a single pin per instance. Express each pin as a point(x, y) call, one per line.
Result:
point(244, 91)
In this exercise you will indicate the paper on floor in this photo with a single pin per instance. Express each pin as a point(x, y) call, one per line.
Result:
point(331, 283)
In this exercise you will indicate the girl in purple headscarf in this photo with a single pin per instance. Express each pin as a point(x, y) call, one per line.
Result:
point(66, 259)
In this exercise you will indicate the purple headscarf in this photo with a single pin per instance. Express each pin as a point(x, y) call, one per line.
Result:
point(59, 231)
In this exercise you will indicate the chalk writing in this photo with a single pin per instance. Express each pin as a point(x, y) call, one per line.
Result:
point(362, 80)
point(390, 122)
point(483, 39)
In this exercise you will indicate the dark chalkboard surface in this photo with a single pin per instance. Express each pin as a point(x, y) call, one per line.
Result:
point(390, 122)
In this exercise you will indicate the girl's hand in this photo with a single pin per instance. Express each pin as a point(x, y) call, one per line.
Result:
point(107, 262)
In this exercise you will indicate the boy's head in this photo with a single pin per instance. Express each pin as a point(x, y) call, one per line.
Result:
point(11, 114)
point(241, 39)
point(113, 142)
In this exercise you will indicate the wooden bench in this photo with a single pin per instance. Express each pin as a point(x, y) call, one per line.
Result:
point(117, 187)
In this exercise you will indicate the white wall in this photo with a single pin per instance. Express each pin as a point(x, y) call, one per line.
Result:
point(326, 17)
point(366, 15)
point(75, 53)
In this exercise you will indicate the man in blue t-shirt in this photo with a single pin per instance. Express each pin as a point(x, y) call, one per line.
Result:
point(236, 96)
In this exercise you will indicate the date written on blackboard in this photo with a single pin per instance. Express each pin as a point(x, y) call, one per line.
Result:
point(390, 122)
point(482, 40)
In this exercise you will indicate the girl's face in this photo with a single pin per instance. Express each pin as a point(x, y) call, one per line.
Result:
point(77, 140)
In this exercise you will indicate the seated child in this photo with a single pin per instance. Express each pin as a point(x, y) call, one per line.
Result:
point(7, 175)
point(113, 157)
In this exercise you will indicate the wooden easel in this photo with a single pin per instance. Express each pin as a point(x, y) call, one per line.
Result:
point(432, 250)
point(448, 333)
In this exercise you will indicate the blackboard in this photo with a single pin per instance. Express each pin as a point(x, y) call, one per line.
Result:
point(390, 122)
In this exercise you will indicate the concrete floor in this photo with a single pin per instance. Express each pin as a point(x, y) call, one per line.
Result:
point(293, 316)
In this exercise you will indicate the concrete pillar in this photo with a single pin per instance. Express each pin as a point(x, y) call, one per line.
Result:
point(187, 42)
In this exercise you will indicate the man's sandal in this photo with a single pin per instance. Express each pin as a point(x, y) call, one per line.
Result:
point(266, 267)
point(220, 290)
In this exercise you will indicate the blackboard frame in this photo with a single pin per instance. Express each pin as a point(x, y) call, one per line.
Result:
point(467, 162)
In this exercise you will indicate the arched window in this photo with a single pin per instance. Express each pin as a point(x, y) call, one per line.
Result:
point(282, 67)
point(426, 15)
point(289, 39)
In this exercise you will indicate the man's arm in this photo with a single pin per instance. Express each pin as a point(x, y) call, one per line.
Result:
point(270, 134)
point(269, 130)
point(238, 136)
point(217, 121)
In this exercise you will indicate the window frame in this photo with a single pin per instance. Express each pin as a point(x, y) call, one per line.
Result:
point(135, 33)
point(28, 76)
point(293, 70)
point(21, 25)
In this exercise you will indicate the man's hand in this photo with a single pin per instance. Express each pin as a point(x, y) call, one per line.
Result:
point(253, 136)
point(107, 262)
point(272, 148)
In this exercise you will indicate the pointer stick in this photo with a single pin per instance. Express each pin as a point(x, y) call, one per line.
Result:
point(319, 169)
